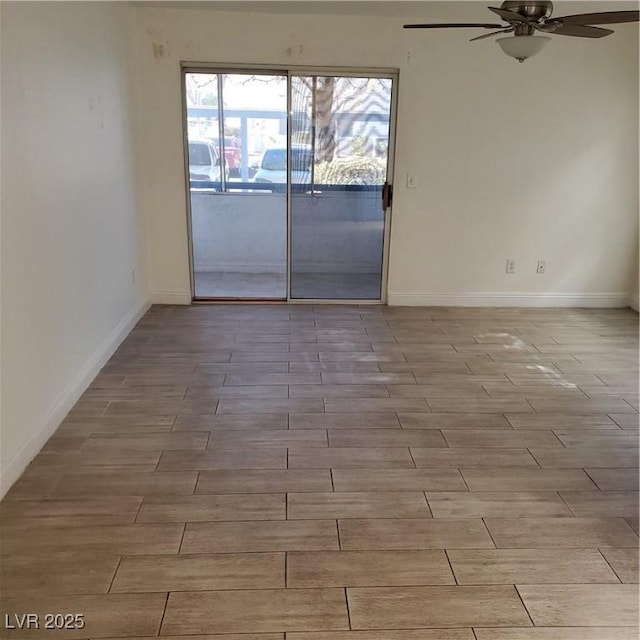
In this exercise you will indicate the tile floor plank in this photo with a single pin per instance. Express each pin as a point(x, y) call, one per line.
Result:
point(98, 459)
point(601, 503)
point(413, 534)
point(607, 438)
point(626, 420)
point(386, 438)
point(114, 616)
point(363, 420)
point(478, 504)
point(500, 438)
point(118, 483)
point(581, 457)
point(561, 422)
point(404, 607)
point(561, 532)
point(581, 406)
point(241, 439)
point(523, 479)
point(264, 481)
point(66, 572)
point(188, 441)
point(368, 378)
point(224, 636)
point(601, 605)
point(364, 405)
point(453, 421)
point(350, 458)
point(239, 537)
point(246, 379)
point(338, 391)
point(229, 422)
point(200, 572)
point(210, 508)
point(309, 506)
point(472, 457)
point(615, 479)
point(406, 634)
point(265, 458)
point(257, 465)
point(559, 633)
point(108, 539)
point(478, 405)
point(33, 484)
point(246, 391)
point(240, 406)
point(367, 568)
point(436, 391)
point(398, 480)
point(530, 566)
point(255, 611)
point(103, 510)
point(624, 562)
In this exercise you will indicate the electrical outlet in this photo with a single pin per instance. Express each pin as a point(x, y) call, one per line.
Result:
point(411, 181)
point(511, 266)
point(133, 276)
point(542, 266)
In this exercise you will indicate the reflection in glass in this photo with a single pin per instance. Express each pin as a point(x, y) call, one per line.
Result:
point(238, 223)
point(337, 220)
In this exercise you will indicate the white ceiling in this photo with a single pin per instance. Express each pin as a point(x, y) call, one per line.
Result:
point(467, 10)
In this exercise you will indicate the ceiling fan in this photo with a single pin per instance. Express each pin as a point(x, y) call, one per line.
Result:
point(525, 17)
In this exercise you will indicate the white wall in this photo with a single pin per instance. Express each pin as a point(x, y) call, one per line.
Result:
point(523, 161)
point(634, 298)
point(70, 232)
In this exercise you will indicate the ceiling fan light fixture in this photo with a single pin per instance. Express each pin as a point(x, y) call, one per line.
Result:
point(522, 47)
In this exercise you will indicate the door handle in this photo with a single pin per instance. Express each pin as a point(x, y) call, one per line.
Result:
point(387, 196)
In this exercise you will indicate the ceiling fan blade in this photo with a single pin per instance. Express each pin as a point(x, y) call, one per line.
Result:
point(606, 17)
point(580, 31)
point(509, 16)
point(452, 25)
point(493, 33)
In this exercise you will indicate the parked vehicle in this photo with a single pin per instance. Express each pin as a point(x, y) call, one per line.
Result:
point(273, 165)
point(204, 161)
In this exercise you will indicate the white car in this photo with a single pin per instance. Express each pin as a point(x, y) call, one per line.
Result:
point(273, 166)
point(204, 161)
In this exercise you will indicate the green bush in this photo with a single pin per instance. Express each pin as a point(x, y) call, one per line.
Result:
point(355, 170)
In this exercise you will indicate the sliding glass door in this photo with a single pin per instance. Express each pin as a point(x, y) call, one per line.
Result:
point(238, 223)
point(337, 214)
point(287, 173)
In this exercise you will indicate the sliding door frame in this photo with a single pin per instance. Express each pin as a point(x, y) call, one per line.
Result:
point(219, 69)
point(289, 71)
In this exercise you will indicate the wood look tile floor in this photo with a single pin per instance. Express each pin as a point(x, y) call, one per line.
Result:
point(274, 472)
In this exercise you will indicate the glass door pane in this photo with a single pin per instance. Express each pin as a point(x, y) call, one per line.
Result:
point(237, 140)
point(339, 154)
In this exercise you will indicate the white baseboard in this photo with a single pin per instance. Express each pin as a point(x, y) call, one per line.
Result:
point(70, 395)
point(595, 300)
point(633, 302)
point(171, 296)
